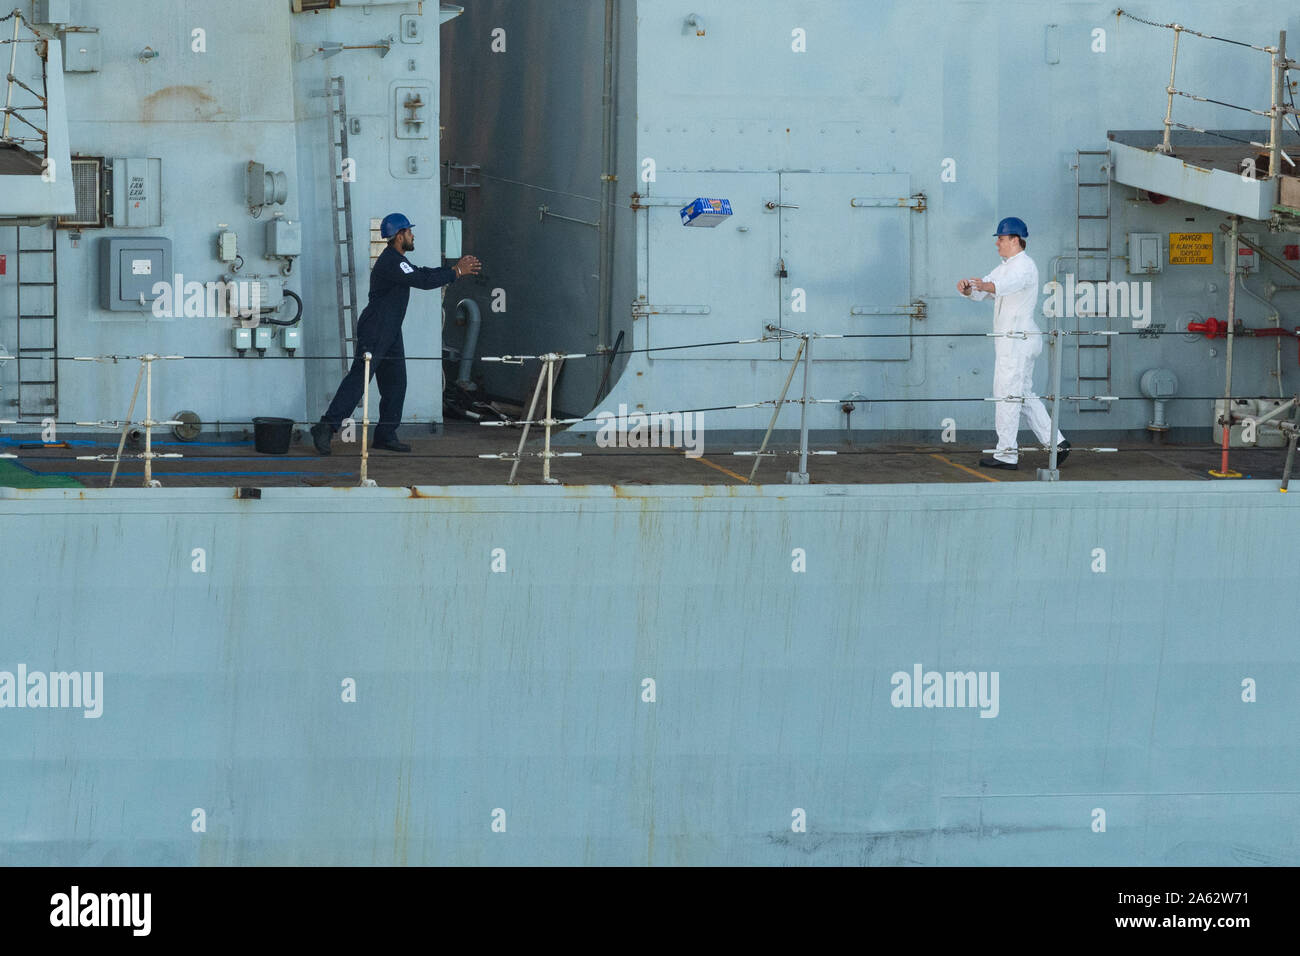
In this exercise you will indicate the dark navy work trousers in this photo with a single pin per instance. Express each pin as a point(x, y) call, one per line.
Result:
point(382, 338)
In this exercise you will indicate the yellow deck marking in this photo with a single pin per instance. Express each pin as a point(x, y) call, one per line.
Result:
point(725, 471)
point(964, 468)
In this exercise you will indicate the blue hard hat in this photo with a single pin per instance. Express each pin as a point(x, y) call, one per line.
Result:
point(394, 223)
point(1011, 226)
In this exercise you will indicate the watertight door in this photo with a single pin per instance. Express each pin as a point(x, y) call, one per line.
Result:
point(846, 244)
point(711, 284)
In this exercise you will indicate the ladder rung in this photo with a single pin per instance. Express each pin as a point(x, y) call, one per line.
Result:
point(32, 381)
point(27, 315)
point(36, 348)
point(23, 285)
point(1093, 249)
point(1092, 217)
point(1086, 185)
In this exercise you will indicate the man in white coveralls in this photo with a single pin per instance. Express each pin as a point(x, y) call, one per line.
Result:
point(1015, 286)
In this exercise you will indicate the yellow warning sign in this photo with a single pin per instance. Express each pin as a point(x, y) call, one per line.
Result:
point(1191, 249)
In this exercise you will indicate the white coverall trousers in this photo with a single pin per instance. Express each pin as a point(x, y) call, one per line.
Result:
point(1013, 375)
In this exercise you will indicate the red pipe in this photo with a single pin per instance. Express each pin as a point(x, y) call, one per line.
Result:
point(1214, 329)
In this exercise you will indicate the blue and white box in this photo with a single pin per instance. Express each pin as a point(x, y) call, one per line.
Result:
point(706, 212)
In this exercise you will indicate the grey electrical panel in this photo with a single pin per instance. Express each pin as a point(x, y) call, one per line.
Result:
point(283, 238)
point(81, 51)
point(1144, 253)
point(137, 192)
point(128, 270)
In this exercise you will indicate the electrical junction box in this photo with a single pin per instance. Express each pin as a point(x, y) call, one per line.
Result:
point(706, 212)
point(262, 336)
point(254, 295)
point(451, 238)
point(81, 51)
point(283, 238)
point(291, 337)
point(137, 192)
point(227, 246)
point(128, 270)
point(242, 339)
point(1144, 255)
point(1247, 261)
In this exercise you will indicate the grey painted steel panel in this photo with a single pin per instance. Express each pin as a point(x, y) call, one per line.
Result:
point(522, 690)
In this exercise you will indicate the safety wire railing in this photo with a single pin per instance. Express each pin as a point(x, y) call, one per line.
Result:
point(803, 359)
point(11, 112)
point(1279, 65)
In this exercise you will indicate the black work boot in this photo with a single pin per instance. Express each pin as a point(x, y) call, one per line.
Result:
point(321, 434)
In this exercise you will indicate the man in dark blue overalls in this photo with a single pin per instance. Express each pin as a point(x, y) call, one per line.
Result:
point(379, 332)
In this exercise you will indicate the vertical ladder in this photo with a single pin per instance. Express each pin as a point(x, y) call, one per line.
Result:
point(37, 326)
point(1092, 245)
point(345, 277)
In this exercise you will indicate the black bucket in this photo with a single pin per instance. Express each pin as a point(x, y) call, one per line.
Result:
point(271, 436)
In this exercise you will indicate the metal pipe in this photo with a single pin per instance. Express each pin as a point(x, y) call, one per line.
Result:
point(13, 64)
point(1169, 109)
point(803, 414)
point(1276, 318)
point(758, 456)
point(474, 319)
point(550, 392)
point(1290, 460)
point(1275, 122)
point(609, 162)
point(365, 423)
point(1232, 311)
point(148, 420)
point(1054, 428)
point(1226, 418)
point(1275, 412)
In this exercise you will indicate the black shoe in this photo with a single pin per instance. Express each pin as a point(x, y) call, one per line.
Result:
point(390, 444)
point(320, 437)
point(1062, 452)
point(994, 463)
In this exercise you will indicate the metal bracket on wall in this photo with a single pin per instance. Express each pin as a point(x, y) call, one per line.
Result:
point(916, 201)
point(641, 309)
point(467, 175)
point(916, 310)
point(545, 211)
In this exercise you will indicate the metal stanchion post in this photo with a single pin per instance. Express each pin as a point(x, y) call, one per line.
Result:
point(550, 390)
point(366, 482)
point(148, 422)
point(1051, 473)
point(800, 477)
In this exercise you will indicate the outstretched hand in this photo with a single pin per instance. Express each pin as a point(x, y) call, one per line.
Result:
point(468, 266)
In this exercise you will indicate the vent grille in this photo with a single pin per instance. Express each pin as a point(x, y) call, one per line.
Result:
point(88, 185)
